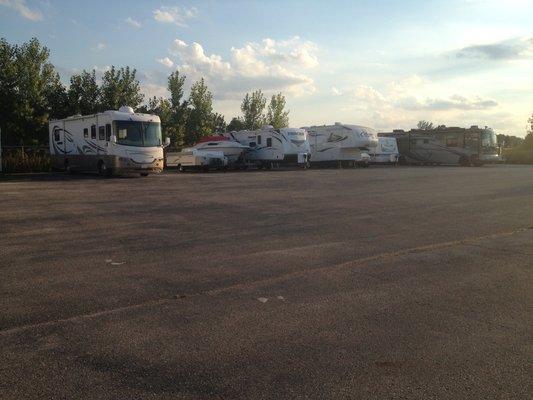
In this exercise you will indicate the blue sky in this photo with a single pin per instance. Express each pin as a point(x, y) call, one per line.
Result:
point(386, 64)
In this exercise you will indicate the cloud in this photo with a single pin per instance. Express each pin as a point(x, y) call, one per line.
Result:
point(99, 46)
point(335, 92)
point(175, 15)
point(133, 22)
point(21, 7)
point(455, 102)
point(506, 50)
point(167, 62)
point(269, 65)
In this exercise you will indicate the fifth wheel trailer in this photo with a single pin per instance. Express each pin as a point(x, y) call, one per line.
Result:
point(110, 142)
point(341, 144)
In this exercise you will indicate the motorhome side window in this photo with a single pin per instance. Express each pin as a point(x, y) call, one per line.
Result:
point(86, 133)
point(108, 132)
point(258, 139)
point(269, 142)
point(101, 133)
point(93, 131)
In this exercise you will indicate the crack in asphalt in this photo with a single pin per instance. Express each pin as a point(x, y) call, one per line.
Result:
point(348, 264)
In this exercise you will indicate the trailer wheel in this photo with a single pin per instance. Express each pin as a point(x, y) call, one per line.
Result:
point(464, 161)
point(144, 174)
point(68, 168)
point(180, 168)
point(102, 169)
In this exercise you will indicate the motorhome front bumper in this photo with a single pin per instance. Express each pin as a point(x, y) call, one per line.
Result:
point(125, 165)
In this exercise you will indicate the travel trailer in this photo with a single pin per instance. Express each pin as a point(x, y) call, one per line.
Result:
point(110, 142)
point(269, 146)
point(194, 159)
point(233, 150)
point(341, 144)
point(386, 152)
point(447, 146)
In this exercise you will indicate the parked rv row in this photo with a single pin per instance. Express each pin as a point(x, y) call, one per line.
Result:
point(336, 145)
point(127, 142)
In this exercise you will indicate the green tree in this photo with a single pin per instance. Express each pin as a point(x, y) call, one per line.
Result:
point(30, 92)
point(425, 125)
point(84, 93)
point(528, 141)
point(236, 124)
point(277, 116)
point(120, 88)
point(219, 123)
point(253, 107)
point(179, 110)
point(200, 120)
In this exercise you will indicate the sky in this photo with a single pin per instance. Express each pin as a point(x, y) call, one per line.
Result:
point(383, 64)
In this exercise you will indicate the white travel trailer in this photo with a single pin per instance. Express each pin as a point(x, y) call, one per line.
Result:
point(268, 145)
point(386, 152)
point(194, 159)
point(341, 144)
point(110, 142)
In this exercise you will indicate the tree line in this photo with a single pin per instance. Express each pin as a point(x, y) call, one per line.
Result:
point(32, 93)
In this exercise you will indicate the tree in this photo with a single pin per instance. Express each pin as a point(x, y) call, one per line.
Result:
point(120, 88)
point(252, 108)
point(200, 121)
point(30, 92)
point(236, 124)
point(84, 93)
point(179, 110)
point(219, 123)
point(509, 140)
point(528, 141)
point(277, 116)
point(425, 125)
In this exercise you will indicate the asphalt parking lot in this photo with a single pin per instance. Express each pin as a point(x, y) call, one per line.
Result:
point(378, 283)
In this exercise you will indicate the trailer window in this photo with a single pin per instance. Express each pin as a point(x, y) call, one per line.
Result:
point(93, 131)
point(101, 133)
point(108, 132)
point(269, 142)
point(258, 139)
point(451, 141)
point(56, 136)
point(86, 133)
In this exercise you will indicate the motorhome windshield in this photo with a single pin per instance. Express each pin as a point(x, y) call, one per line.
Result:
point(138, 133)
point(488, 139)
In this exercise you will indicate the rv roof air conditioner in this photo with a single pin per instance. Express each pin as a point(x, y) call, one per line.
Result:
point(126, 109)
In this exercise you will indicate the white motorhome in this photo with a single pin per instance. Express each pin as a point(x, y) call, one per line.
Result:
point(110, 142)
point(281, 146)
point(386, 152)
point(341, 144)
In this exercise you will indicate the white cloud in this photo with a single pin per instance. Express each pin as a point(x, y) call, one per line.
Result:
point(400, 104)
point(21, 7)
point(335, 91)
point(133, 22)
point(175, 15)
point(269, 65)
point(167, 62)
point(99, 46)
